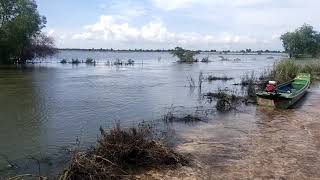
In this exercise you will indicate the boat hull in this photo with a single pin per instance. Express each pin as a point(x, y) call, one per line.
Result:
point(280, 103)
point(287, 94)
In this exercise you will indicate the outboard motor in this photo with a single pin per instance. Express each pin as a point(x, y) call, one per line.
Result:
point(271, 86)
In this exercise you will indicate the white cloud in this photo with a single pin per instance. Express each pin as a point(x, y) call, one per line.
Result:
point(169, 5)
point(50, 32)
point(112, 29)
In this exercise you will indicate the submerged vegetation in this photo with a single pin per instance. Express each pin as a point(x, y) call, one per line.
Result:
point(185, 56)
point(205, 59)
point(226, 101)
point(217, 78)
point(120, 153)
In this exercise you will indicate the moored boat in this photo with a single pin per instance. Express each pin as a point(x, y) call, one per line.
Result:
point(284, 95)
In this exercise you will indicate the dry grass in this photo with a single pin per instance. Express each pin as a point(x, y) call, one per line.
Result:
point(121, 152)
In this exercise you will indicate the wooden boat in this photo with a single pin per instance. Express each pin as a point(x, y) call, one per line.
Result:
point(286, 94)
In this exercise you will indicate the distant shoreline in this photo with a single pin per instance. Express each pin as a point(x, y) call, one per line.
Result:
point(170, 50)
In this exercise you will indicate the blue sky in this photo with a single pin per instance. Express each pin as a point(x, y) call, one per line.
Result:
point(194, 24)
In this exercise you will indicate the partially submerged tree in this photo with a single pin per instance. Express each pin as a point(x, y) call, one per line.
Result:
point(20, 32)
point(184, 55)
point(303, 41)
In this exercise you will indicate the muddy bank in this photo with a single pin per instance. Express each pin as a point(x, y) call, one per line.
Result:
point(262, 144)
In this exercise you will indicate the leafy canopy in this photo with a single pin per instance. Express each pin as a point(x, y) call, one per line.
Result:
point(303, 41)
point(20, 32)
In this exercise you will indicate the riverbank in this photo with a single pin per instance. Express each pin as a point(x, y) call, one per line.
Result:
point(281, 144)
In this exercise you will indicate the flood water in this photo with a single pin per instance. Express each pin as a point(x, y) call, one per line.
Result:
point(49, 107)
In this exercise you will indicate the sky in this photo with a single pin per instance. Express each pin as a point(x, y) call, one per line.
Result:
point(164, 24)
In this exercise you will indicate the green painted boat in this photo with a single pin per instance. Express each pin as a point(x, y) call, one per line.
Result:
point(286, 94)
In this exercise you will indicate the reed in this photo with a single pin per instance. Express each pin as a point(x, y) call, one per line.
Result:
point(287, 69)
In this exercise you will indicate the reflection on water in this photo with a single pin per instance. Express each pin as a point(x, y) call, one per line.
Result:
point(52, 105)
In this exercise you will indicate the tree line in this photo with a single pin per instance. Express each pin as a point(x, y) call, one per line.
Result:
point(21, 38)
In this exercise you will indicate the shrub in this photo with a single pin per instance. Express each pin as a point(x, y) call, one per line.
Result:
point(185, 56)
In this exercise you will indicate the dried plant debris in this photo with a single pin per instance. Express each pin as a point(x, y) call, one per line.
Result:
point(120, 153)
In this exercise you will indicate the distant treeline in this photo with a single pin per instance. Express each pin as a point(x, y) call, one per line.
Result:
point(170, 50)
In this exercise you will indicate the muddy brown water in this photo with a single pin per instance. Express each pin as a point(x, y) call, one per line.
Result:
point(48, 108)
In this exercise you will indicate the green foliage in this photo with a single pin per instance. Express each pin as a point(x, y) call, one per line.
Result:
point(20, 32)
point(186, 56)
point(303, 41)
point(286, 70)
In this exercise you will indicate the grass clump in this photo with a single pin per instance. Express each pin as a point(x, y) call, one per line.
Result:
point(205, 59)
point(170, 118)
point(130, 62)
point(118, 62)
point(121, 152)
point(288, 69)
point(63, 61)
point(216, 78)
point(75, 61)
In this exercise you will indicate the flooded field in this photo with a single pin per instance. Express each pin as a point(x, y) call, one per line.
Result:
point(49, 108)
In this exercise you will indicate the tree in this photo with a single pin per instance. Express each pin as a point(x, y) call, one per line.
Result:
point(184, 55)
point(303, 41)
point(20, 32)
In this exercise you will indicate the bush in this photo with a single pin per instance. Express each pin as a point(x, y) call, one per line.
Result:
point(185, 56)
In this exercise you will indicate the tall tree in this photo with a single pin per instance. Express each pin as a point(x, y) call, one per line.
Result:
point(303, 41)
point(20, 27)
